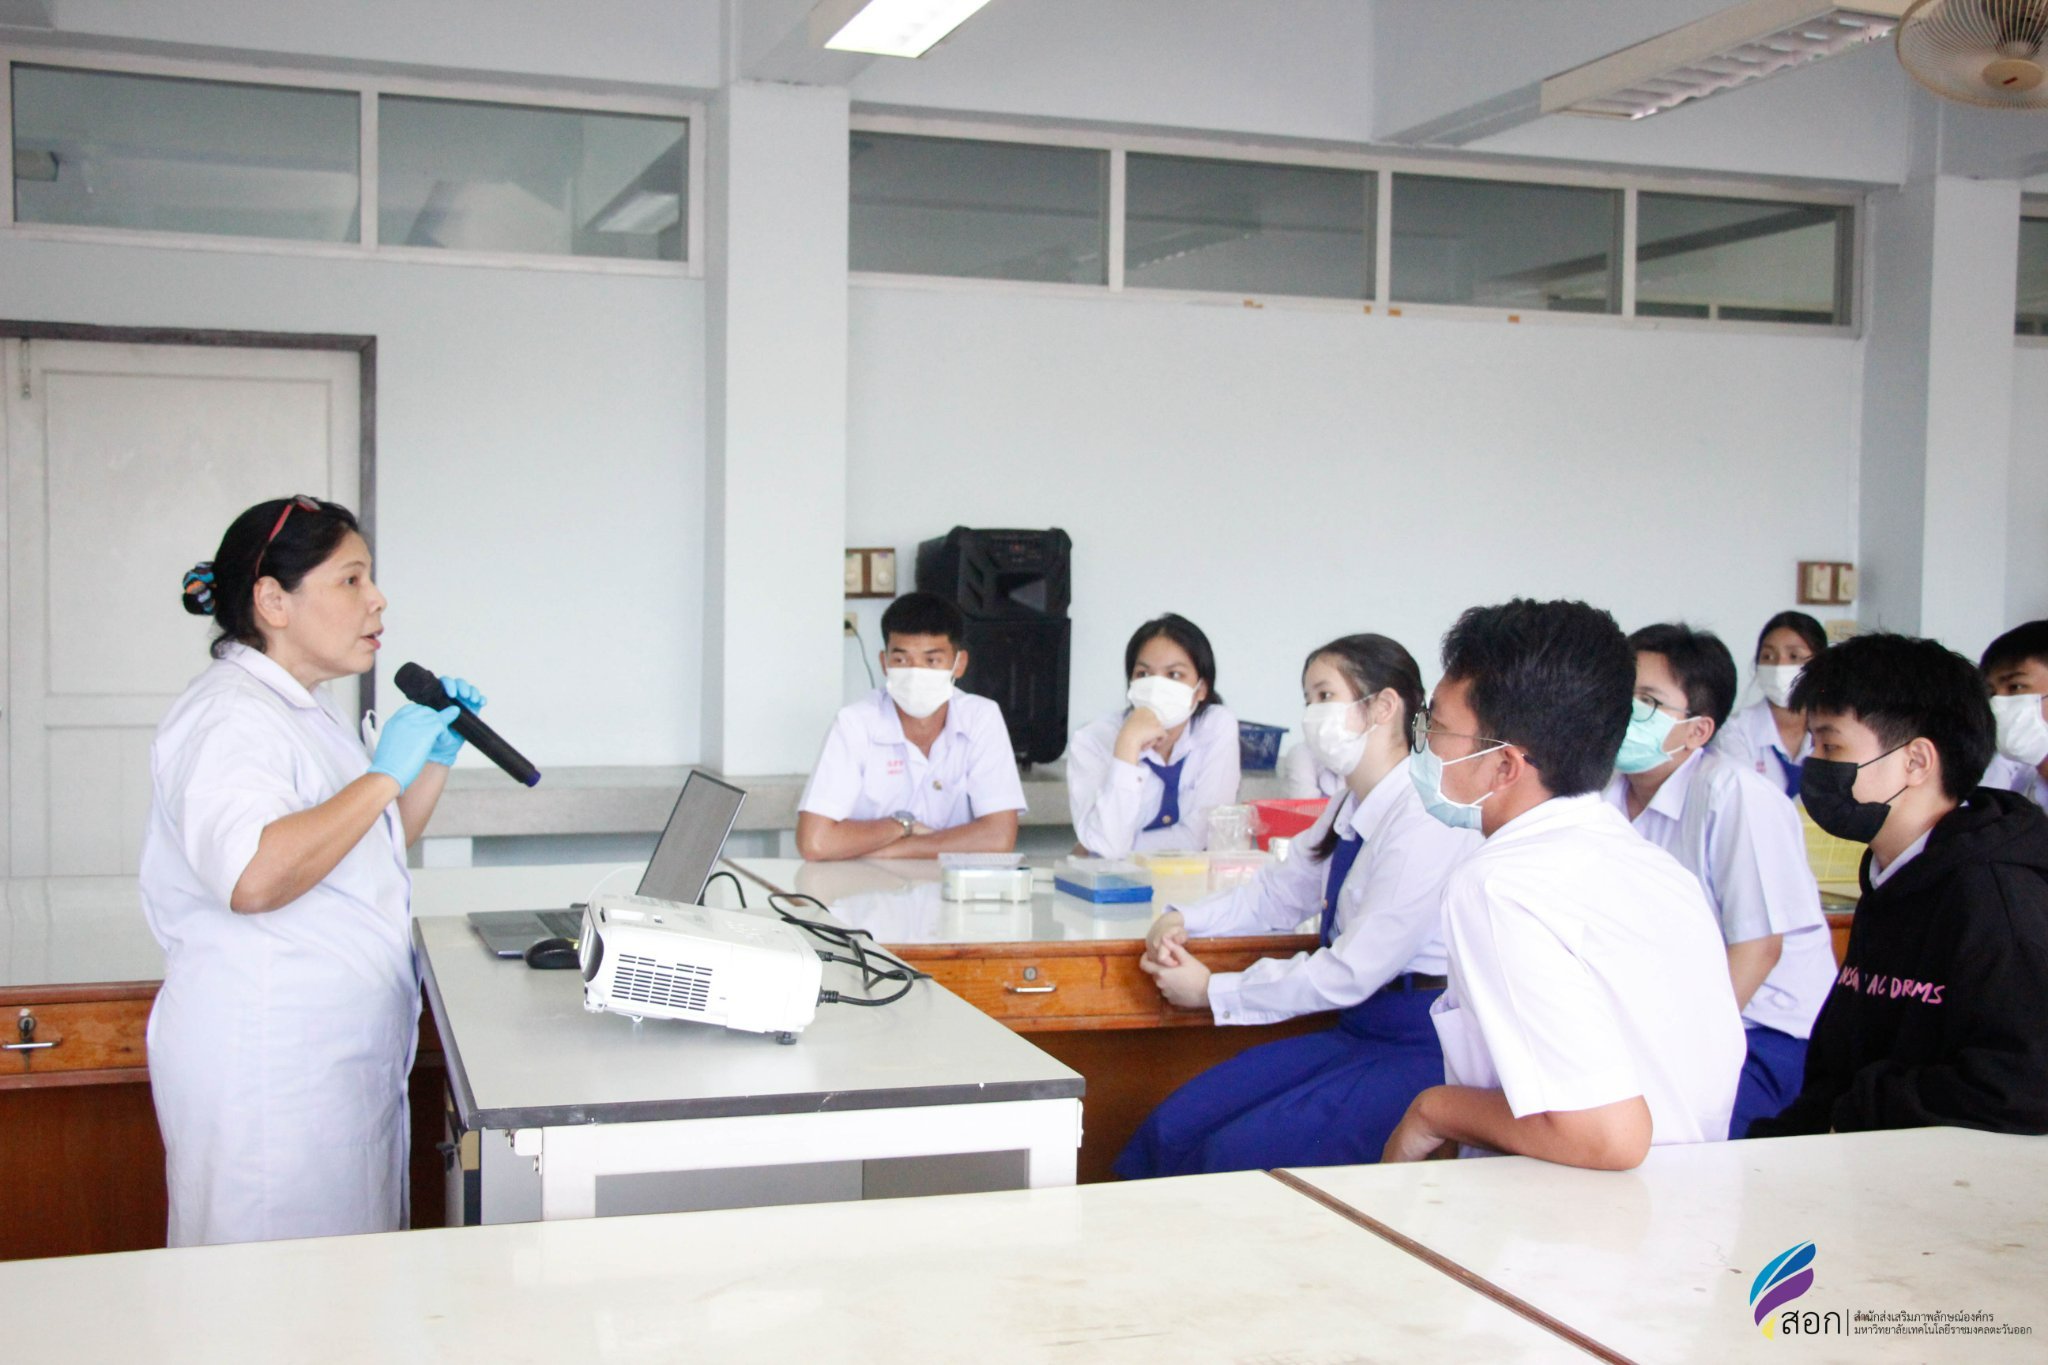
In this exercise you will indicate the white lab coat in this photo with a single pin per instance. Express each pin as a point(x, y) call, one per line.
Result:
point(280, 1043)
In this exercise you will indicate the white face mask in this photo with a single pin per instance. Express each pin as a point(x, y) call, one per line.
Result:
point(1776, 682)
point(1326, 727)
point(2022, 731)
point(920, 691)
point(1173, 702)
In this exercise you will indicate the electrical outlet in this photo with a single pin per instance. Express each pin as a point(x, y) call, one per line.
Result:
point(848, 626)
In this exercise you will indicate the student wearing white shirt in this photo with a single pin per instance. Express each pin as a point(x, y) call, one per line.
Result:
point(1144, 779)
point(1734, 831)
point(1769, 737)
point(915, 768)
point(2015, 668)
point(1589, 1013)
point(1371, 872)
point(274, 876)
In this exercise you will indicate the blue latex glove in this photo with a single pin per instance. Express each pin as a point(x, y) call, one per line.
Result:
point(407, 738)
point(450, 744)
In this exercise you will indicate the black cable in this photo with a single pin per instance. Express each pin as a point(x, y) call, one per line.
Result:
point(850, 940)
point(861, 646)
point(737, 889)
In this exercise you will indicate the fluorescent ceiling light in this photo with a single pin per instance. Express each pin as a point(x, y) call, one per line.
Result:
point(1744, 43)
point(889, 28)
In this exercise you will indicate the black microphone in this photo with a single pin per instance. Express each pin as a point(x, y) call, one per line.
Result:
point(423, 687)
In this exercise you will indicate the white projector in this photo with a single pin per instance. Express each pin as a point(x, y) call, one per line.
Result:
point(651, 959)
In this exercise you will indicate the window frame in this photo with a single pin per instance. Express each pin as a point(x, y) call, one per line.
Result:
point(368, 89)
point(1383, 165)
point(2034, 207)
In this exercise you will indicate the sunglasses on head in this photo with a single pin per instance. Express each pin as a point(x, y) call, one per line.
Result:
point(298, 502)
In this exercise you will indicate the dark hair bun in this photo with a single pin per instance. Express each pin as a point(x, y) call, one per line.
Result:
point(198, 589)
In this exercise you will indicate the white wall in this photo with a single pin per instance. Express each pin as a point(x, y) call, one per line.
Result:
point(663, 42)
point(1283, 476)
point(540, 467)
point(1297, 68)
point(2026, 507)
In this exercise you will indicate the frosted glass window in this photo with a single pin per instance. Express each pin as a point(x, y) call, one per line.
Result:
point(465, 176)
point(103, 149)
point(1740, 259)
point(1247, 227)
point(1503, 244)
point(2033, 295)
point(986, 210)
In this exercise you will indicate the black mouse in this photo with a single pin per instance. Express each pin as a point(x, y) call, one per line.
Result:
point(552, 954)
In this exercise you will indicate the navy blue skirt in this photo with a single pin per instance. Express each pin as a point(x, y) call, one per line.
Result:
point(1323, 1099)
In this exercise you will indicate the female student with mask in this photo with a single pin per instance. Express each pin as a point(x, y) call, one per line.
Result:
point(274, 876)
point(1769, 737)
point(1146, 778)
point(1373, 868)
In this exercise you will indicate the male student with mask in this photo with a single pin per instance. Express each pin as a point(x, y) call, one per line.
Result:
point(2015, 668)
point(916, 768)
point(1589, 1013)
point(1737, 833)
point(1939, 1014)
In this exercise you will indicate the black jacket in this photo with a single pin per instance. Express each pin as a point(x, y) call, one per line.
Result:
point(1939, 1014)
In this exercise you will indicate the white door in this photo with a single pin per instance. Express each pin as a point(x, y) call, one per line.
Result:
point(125, 463)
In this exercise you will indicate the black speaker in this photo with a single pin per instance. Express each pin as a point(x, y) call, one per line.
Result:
point(1009, 575)
point(1014, 588)
point(1021, 665)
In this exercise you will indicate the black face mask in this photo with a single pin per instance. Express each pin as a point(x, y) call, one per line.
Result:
point(1827, 786)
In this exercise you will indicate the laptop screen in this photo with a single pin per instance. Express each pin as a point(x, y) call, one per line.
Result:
point(689, 847)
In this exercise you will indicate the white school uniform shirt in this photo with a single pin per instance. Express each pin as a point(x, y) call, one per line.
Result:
point(1389, 910)
point(1112, 801)
point(2008, 775)
point(1304, 779)
point(1738, 834)
point(280, 1042)
point(1587, 968)
point(869, 771)
point(1750, 739)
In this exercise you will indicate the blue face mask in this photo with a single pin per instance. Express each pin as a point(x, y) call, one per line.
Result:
point(1426, 770)
point(1642, 748)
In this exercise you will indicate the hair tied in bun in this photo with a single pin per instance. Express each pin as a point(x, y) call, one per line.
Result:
point(198, 589)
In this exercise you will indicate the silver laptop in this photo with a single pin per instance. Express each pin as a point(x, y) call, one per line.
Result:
point(679, 870)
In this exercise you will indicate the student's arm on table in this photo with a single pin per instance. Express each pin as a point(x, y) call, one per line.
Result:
point(1607, 1137)
point(995, 832)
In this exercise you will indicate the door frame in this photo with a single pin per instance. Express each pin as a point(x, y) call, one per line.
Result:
point(364, 348)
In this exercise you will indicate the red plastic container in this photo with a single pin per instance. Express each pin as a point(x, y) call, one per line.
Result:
point(1285, 819)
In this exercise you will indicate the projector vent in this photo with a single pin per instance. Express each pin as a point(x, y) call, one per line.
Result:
point(644, 981)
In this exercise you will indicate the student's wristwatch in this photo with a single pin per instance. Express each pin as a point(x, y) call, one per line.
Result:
point(907, 820)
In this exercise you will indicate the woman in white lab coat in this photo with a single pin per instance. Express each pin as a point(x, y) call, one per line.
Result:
point(273, 875)
point(1371, 875)
point(1144, 779)
point(1769, 737)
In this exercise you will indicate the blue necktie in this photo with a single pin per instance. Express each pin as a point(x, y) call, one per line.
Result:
point(1340, 868)
point(1792, 771)
point(1169, 799)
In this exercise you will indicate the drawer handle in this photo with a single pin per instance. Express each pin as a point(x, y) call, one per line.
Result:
point(1030, 990)
point(26, 1027)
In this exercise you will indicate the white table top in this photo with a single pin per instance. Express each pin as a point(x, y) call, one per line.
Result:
point(1212, 1268)
point(1657, 1263)
point(522, 1052)
point(898, 901)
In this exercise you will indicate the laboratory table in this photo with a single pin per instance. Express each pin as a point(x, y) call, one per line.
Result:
point(1658, 1263)
point(559, 1097)
point(1059, 970)
point(1212, 1268)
